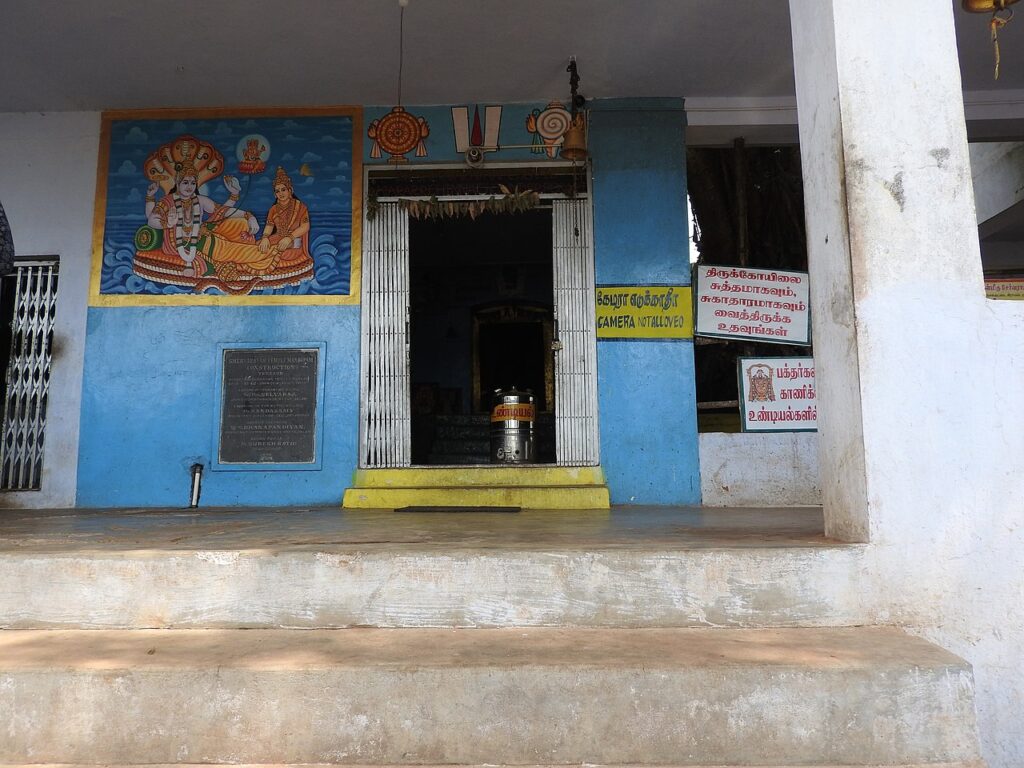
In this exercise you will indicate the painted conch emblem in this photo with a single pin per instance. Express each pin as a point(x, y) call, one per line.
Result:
point(398, 133)
point(548, 127)
point(759, 383)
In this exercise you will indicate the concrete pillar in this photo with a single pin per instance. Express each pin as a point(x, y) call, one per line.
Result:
point(896, 282)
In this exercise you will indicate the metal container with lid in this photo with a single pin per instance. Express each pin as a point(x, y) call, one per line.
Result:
point(512, 416)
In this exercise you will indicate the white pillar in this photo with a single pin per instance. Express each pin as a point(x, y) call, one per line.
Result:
point(896, 283)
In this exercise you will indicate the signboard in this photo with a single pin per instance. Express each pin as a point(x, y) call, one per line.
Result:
point(644, 312)
point(268, 406)
point(766, 305)
point(777, 394)
point(1005, 288)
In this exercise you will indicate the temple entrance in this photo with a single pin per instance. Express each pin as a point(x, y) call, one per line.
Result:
point(481, 318)
point(456, 306)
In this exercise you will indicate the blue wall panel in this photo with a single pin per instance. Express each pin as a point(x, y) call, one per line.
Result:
point(648, 422)
point(646, 389)
point(149, 405)
point(149, 410)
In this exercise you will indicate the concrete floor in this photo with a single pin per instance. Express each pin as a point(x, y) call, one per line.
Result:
point(320, 529)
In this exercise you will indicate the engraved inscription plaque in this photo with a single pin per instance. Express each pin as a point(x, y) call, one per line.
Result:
point(268, 411)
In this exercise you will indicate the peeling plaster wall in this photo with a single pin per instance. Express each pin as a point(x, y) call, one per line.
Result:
point(47, 186)
point(759, 470)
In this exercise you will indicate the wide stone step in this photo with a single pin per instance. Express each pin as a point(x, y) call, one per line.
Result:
point(519, 696)
point(957, 764)
point(327, 568)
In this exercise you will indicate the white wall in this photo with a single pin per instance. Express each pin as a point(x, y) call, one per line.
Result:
point(997, 173)
point(937, 370)
point(48, 187)
point(778, 469)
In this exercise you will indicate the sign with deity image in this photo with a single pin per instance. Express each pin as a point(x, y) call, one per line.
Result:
point(228, 207)
point(777, 394)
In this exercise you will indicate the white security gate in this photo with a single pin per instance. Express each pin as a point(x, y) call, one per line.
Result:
point(576, 436)
point(385, 434)
point(27, 380)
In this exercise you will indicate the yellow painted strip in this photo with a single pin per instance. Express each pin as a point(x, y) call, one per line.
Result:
point(97, 299)
point(462, 477)
point(555, 497)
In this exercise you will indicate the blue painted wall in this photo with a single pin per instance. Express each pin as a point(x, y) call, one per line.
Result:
point(646, 389)
point(148, 404)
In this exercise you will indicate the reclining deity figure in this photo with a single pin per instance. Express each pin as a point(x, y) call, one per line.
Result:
point(193, 241)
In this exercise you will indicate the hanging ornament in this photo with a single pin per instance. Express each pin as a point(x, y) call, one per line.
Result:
point(995, 7)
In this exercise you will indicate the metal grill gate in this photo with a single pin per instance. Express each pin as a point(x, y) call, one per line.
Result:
point(27, 380)
point(576, 435)
point(385, 427)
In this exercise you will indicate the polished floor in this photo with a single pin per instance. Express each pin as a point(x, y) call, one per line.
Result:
point(321, 529)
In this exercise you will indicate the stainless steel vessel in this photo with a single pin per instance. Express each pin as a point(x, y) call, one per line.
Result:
point(512, 416)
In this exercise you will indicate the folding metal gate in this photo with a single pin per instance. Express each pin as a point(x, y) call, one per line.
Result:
point(385, 433)
point(27, 380)
point(576, 435)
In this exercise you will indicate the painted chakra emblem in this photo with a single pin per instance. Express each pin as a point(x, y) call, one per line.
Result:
point(398, 133)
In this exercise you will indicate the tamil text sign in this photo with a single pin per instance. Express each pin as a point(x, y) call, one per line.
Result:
point(777, 394)
point(759, 304)
point(1005, 288)
point(651, 312)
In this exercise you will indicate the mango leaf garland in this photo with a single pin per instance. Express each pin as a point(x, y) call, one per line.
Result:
point(511, 201)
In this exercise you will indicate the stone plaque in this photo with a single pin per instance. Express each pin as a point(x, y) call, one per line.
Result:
point(268, 412)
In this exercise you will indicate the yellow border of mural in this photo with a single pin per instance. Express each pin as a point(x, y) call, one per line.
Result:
point(96, 299)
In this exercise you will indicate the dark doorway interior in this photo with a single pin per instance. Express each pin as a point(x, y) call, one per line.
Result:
point(480, 318)
point(512, 353)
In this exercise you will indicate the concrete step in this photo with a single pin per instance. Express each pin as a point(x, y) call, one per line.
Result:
point(326, 568)
point(957, 764)
point(859, 696)
point(528, 486)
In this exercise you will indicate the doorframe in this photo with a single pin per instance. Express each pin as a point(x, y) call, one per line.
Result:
point(585, 193)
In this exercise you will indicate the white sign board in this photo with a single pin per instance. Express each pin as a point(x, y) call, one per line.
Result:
point(768, 305)
point(777, 394)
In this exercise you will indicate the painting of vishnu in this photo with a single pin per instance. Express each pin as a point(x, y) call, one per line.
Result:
point(228, 206)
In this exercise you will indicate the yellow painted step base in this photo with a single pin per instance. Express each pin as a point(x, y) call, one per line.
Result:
point(527, 487)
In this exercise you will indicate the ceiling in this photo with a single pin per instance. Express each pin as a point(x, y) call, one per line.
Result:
point(63, 55)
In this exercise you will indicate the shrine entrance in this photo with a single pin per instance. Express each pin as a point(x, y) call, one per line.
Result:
point(455, 307)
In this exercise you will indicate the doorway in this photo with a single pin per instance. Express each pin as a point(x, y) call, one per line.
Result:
point(480, 319)
point(420, 345)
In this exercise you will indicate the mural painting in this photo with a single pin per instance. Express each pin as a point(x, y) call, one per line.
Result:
point(193, 206)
